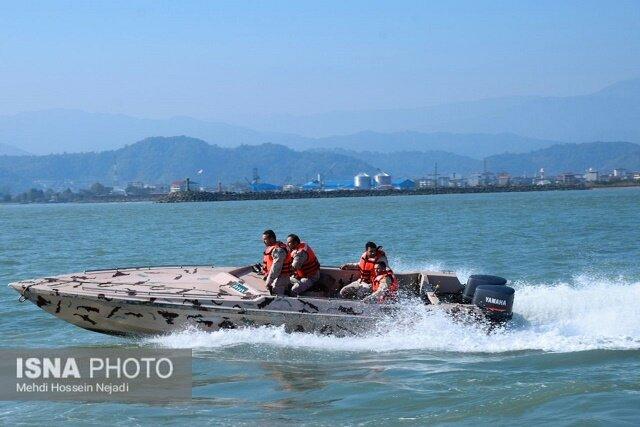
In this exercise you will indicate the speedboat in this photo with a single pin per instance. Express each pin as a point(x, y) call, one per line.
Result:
point(158, 300)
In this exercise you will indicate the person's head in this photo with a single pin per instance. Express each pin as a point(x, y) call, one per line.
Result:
point(269, 237)
point(371, 249)
point(381, 267)
point(293, 241)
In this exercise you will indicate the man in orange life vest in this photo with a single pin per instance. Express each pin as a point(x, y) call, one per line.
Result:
point(304, 264)
point(384, 285)
point(276, 264)
point(367, 266)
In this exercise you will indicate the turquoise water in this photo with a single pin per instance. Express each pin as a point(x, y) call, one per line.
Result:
point(571, 355)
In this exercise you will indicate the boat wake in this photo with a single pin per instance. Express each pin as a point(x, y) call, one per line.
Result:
point(586, 313)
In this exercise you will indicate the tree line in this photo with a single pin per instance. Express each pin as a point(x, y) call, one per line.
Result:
point(96, 192)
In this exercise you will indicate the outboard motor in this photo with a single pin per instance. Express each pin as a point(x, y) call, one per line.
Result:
point(476, 280)
point(495, 300)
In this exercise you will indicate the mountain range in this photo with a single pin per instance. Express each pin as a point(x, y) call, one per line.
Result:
point(474, 145)
point(516, 135)
point(75, 131)
point(612, 113)
point(475, 129)
point(72, 131)
point(164, 159)
point(603, 156)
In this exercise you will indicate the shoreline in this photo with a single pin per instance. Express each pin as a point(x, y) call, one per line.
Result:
point(205, 196)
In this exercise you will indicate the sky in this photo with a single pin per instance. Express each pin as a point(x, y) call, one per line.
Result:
point(225, 60)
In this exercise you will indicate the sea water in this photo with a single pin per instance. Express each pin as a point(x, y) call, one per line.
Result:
point(571, 355)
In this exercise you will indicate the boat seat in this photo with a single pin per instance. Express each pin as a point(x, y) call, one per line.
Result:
point(326, 287)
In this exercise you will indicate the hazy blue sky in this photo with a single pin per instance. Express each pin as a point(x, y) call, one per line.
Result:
point(221, 60)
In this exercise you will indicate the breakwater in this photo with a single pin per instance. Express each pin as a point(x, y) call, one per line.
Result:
point(205, 196)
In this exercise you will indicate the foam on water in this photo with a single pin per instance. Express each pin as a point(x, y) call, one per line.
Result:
point(586, 313)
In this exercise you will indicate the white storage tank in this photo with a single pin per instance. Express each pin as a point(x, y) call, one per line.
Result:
point(362, 181)
point(383, 180)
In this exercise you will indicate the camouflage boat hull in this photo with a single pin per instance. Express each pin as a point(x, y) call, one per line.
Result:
point(159, 300)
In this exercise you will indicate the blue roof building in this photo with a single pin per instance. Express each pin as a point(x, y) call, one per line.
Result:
point(339, 185)
point(263, 186)
point(328, 185)
point(404, 184)
point(311, 186)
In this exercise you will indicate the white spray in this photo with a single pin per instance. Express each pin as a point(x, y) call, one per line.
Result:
point(586, 314)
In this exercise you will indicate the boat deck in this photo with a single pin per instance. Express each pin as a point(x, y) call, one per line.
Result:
point(173, 282)
point(165, 282)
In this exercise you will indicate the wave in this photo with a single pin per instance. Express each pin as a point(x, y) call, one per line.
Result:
point(586, 313)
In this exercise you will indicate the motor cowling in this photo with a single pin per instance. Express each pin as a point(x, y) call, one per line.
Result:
point(495, 300)
point(476, 280)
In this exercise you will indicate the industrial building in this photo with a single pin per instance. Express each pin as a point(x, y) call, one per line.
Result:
point(591, 175)
point(184, 185)
point(504, 179)
point(383, 181)
point(362, 181)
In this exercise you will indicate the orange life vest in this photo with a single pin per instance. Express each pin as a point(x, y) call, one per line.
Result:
point(267, 259)
point(367, 265)
point(311, 265)
point(392, 291)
